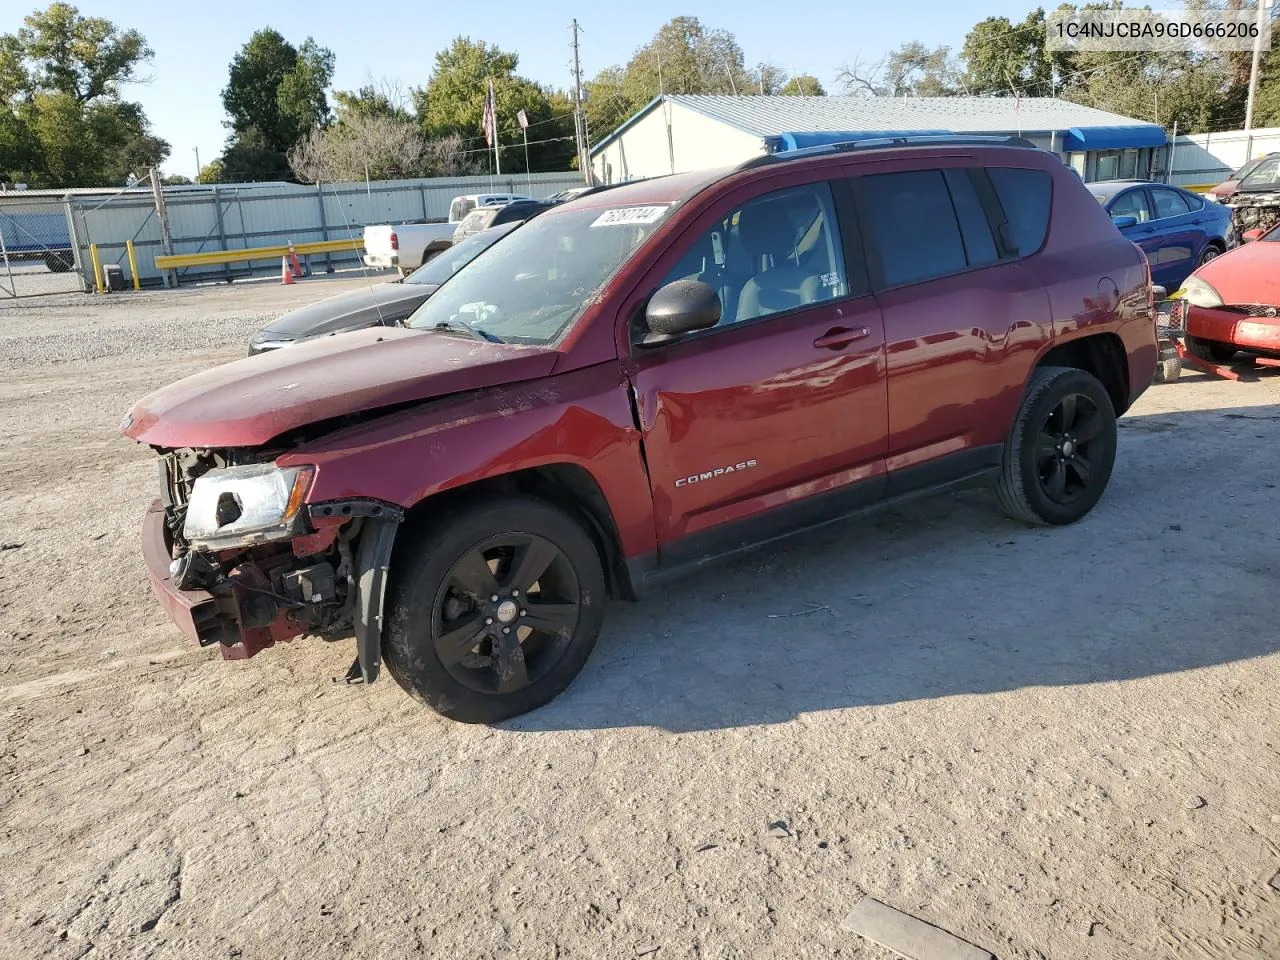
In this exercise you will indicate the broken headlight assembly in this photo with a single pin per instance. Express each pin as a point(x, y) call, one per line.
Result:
point(242, 506)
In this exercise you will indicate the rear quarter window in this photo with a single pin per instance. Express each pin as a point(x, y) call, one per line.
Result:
point(1027, 197)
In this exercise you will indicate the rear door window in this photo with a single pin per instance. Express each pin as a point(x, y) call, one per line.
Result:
point(975, 229)
point(911, 225)
point(1026, 196)
point(1169, 203)
point(1132, 204)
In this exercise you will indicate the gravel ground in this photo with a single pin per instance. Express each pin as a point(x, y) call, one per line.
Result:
point(1055, 744)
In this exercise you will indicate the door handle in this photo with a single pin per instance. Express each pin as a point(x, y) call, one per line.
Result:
point(837, 338)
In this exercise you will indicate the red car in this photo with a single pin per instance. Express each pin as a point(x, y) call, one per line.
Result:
point(638, 382)
point(1233, 303)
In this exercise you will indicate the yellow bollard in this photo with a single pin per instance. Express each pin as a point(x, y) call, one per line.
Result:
point(98, 285)
point(133, 265)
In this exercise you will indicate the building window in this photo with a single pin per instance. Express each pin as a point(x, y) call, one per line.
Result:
point(1108, 166)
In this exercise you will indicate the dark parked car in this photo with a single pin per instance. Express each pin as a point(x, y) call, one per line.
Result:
point(638, 382)
point(379, 304)
point(517, 211)
point(1177, 230)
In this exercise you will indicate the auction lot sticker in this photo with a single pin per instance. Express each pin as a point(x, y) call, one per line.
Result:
point(629, 215)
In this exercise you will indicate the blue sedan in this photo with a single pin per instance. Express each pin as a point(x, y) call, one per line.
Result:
point(1176, 229)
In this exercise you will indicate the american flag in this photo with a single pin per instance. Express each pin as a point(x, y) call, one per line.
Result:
point(488, 121)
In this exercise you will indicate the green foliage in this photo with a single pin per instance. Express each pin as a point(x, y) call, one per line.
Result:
point(275, 95)
point(369, 102)
point(250, 155)
point(802, 85)
point(63, 122)
point(999, 54)
point(212, 172)
point(452, 104)
point(176, 180)
point(684, 57)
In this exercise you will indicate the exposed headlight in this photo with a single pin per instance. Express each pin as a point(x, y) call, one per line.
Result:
point(1200, 293)
point(239, 506)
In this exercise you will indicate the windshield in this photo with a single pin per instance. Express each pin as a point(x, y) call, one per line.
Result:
point(1246, 169)
point(1273, 234)
point(443, 266)
point(531, 288)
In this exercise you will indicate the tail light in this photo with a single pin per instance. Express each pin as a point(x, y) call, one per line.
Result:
point(395, 241)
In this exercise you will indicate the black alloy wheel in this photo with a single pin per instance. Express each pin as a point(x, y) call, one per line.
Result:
point(1064, 448)
point(505, 613)
point(493, 606)
point(1058, 457)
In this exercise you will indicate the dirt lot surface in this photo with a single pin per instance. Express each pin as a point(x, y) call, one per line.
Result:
point(1055, 744)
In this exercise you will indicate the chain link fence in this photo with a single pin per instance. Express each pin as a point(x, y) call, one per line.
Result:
point(38, 252)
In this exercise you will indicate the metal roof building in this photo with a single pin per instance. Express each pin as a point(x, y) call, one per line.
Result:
point(674, 134)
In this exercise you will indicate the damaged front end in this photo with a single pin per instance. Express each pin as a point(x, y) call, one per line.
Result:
point(240, 560)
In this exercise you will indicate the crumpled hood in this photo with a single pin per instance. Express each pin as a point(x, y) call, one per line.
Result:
point(1248, 274)
point(355, 308)
point(248, 402)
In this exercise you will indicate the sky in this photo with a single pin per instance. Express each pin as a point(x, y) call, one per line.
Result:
point(194, 45)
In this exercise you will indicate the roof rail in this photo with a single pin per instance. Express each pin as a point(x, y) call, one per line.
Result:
point(885, 143)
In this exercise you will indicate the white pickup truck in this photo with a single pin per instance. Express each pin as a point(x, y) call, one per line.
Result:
point(407, 246)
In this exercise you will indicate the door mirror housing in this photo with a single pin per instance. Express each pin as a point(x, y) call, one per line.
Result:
point(1124, 221)
point(680, 308)
point(1253, 234)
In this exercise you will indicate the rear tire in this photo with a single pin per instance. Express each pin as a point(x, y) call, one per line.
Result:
point(1210, 350)
point(1211, 252)
point(477, 659)
point(1058, 457)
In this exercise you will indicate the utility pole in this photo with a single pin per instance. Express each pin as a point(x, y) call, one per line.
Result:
point(197, 150)
point(580, 115)
point(1255, 69)
point(162, 214)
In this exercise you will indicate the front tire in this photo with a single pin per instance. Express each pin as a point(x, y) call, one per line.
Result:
point(1058, 458)
point(1210, 350)
point(493, 609)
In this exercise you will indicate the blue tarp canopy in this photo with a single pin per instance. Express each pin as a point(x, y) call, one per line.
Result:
point(818, 138)
point(1114, 138)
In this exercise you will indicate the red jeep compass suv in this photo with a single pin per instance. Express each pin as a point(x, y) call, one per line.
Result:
point(644, 379)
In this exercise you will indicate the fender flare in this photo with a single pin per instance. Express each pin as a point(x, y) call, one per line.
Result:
point(372, 566)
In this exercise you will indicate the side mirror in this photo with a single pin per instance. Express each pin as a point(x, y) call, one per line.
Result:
point(1253, 234)
point(679, 308)
point(1125, 221)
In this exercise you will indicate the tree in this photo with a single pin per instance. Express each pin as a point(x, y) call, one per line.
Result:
point(386, 98)
point(250, 156)
point(379, 148)
point(911, 70)
point(176, 180)
point(802, 85)
point(85, 57)
point(275, 95)
point(212, 172)
point(452, 104)
point(63, 121)
point(999, 54)
point(684, 57)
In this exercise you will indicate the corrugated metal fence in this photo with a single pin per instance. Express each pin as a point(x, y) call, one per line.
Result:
point(240, 216)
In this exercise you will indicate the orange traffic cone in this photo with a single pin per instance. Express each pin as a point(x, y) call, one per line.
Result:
point(286, 275)
point(293, 262)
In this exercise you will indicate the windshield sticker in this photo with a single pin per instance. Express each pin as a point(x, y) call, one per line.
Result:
point(629, 216)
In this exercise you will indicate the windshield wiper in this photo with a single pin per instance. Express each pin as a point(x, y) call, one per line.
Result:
point(475, 333)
